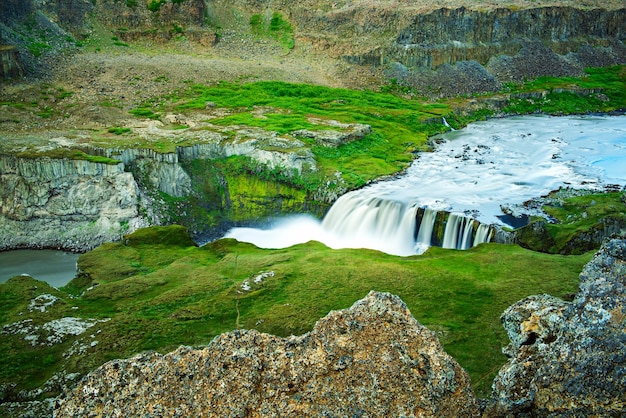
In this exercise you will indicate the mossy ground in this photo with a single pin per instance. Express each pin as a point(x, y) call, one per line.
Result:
point(161, 291)
point(574, 220)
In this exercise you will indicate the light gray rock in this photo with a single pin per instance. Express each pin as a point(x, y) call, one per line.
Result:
point(70, 204)
point(569, 358)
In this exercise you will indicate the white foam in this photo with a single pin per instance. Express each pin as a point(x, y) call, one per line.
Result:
point(477, 169)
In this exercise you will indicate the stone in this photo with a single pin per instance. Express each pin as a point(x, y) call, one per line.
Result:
point(373, 359)
point(568, 358)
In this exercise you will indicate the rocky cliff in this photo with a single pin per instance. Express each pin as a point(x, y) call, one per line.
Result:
point(375, 359)
point(421, 45)
point(78, 204)
point(62, 203)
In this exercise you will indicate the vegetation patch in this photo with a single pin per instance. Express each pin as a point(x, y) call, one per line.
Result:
point(275, 27)
point(600, 90)
point(118, 130)
point(578, 223)
point(398, 124)
point(66, 153)
point(160, 290)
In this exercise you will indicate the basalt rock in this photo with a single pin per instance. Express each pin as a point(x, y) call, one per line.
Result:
point(373, 359)
point(568, 358)
point(61, 203)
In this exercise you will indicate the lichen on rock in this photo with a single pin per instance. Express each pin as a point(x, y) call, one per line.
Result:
point(568, 358)
point(373, 359)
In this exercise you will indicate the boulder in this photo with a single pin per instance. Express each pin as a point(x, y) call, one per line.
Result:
point(373, 359)
point(568, 358)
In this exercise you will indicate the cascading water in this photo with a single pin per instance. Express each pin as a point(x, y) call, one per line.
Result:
point(400, 228)
point(475, 170)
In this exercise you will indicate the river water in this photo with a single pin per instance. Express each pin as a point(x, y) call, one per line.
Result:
point(55, 267)
point(472, 172)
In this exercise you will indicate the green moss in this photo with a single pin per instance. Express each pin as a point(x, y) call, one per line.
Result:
point(117, 130)
point(66, 153)
point(161, 291)
point(600, 90)
point(578, 224)
point(277, 27)
point(174, 235)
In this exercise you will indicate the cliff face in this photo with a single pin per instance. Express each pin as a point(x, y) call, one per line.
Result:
point(78, 204)
point(373, 359)
point(69, 204)
point(488, 48)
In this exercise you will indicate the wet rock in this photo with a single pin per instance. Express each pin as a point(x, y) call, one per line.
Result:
point(373, 359)
point(568, 358)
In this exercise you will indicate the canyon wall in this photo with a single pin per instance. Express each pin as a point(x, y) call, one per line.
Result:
point(79, 204)
point(69, 204)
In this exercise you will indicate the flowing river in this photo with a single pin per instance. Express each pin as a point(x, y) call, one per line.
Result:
point(469, 176)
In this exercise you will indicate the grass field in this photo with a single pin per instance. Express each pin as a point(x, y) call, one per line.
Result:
point(161, 291)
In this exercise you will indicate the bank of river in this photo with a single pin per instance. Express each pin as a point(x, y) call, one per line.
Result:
point(55, 267)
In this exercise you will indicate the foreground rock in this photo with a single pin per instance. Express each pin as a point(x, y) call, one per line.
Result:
point(373, 359)
point(569, 359)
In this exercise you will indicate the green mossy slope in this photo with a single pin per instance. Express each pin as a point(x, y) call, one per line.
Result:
point(159, 296)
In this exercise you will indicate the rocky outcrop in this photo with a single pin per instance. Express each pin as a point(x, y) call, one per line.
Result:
point(62, 203)
point(475, 50)
point(373, 359)
point(568, 358)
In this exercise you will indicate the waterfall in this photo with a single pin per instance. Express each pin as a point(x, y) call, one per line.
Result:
point(399, 228)
point(484, 233)
point(373, 222)
point(426, 226)
point(446, 124)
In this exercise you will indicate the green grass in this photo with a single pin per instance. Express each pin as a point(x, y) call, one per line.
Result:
point(277, 27)
point(566, 94)
point(576, 218)
point(66, 153)
point(162, 291)
point(117, 130)
point(397, 123)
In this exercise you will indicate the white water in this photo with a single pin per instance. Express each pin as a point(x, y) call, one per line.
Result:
point(476, 169)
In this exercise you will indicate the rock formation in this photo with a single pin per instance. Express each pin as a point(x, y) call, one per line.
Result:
point(373, 359)
point(569, 359)
point(71, 204)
